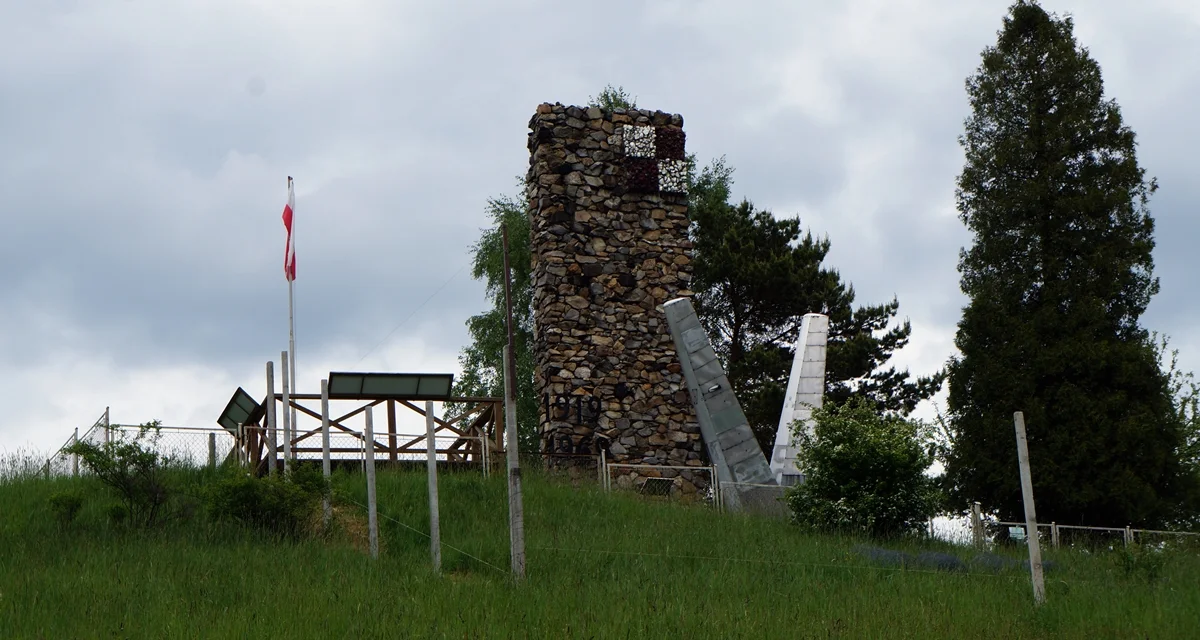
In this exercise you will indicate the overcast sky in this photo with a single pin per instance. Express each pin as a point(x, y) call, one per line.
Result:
point(146, 147)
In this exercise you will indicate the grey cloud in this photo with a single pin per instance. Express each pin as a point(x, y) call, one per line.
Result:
point(146, 150)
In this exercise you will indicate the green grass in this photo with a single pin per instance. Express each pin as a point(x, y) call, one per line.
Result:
point(599, 566)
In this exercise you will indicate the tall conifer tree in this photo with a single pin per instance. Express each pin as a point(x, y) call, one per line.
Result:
point(1058, 275)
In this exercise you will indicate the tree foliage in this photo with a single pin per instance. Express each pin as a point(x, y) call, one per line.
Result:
point(481, 360)
point(613, 98)
point(864, 472)
point(1059, 272)
point(756, 275)
point(133, 470)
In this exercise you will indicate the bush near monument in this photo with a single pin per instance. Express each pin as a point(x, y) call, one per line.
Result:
point(864, 473)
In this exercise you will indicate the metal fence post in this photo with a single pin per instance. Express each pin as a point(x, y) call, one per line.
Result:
point(287, 409)
point(107, 427)
point(716, 483)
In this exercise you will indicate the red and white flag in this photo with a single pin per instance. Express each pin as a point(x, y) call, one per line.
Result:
point(289, 256)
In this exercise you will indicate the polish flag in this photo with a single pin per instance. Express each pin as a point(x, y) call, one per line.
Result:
point(289, 256)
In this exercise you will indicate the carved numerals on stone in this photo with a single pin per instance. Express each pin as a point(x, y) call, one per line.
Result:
point(574, 409)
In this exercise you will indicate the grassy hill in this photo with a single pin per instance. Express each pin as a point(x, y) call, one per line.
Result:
point(599, 566)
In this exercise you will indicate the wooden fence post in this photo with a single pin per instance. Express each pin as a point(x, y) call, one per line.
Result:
point(1031, 531)
point(212, 450)
point(272, 434)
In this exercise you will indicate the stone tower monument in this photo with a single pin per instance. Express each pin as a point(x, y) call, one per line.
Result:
point(608, 202)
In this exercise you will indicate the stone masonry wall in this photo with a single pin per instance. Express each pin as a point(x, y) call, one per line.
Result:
point(609, 220)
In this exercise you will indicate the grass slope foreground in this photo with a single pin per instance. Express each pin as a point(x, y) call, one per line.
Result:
point(599, 566)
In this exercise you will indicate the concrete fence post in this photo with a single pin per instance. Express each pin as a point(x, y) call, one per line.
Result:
point(75, 456)
point(327, 508)
point(435, 535)
point(372, 511)
point(212, 450)
point(976, 525)
point(1031, 537)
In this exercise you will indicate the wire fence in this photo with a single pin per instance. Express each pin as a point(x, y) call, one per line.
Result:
point(200, 446)
point(184, 446)
point(350, 448)
point(1089, 538)
point(61, 463)
point(683, 483)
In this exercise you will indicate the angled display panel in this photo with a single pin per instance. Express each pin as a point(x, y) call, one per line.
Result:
point(238, 411)
point(390, 386)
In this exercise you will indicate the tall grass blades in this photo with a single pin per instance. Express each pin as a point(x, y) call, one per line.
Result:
point(599, 566)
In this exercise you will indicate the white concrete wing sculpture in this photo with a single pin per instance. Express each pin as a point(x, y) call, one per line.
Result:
point(805, 392)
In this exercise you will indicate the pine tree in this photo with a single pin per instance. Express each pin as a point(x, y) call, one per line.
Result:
point(1057, 277)
point(756, 276)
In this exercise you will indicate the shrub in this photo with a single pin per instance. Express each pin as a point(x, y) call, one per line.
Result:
point(282, 505)
point(66, 505)
point(134, 470)
point(118, 514)
point(863, 472)
point(1137, 559)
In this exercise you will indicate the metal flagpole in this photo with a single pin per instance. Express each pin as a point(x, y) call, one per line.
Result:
point(292, 310)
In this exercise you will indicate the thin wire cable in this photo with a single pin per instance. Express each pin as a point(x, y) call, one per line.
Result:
point(770, 562)
point(415, 530)
point(410, 315)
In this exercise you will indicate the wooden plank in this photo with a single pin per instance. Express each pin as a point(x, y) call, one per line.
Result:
point(391, 415)
point(443, 423)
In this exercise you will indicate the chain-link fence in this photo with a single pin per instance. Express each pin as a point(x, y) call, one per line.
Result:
point(61, 463)
point(184, 446)
point(682, 483)
point(1088, 538)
